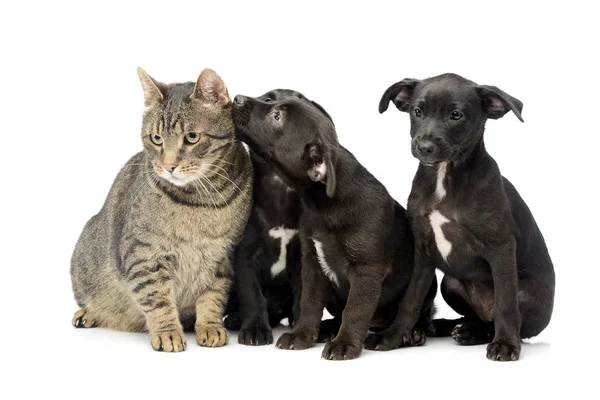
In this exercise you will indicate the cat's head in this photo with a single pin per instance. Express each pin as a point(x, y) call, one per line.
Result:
point(185, 125)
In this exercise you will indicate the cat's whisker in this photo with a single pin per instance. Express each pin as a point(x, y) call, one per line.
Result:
point(145, 182)
point(133, 164)
point(196, 182)
point(213, 186)
point(136, 188)
point(203, 189)
point(133, 174)
point(225, 177)
point(216, 166)
point(224, 162)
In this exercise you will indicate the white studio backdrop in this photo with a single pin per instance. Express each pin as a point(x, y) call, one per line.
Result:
point(71, 107)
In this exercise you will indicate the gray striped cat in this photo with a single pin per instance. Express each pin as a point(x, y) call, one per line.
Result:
point(156, 257)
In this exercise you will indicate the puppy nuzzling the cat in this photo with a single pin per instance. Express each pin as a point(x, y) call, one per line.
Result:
point(267, 261)
point(157, 257)
point(357, 246)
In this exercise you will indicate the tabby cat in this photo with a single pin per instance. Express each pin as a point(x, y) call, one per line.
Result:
point(156, 257)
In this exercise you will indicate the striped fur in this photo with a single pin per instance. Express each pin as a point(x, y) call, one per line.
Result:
point(156, 257)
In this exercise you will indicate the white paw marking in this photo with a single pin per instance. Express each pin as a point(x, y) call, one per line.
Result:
point(324, 266)
point(286, 235)
point(440, 190)
point(444, 246)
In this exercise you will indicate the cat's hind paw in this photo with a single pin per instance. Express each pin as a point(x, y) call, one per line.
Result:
point(83, 319)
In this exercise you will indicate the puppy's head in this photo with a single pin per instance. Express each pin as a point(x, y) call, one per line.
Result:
point(448, 114)
point(278, 94)
point(292, 133)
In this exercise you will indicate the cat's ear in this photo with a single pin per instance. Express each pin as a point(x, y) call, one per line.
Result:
point(320, 167)
point(210, 88)
point(153, 90)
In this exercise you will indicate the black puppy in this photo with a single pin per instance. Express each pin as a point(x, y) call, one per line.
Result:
point(469, 221)
point(267, 261)
point(357, 247)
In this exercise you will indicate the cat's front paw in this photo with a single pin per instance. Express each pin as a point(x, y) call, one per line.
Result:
point(211, 336)
point(169, 341)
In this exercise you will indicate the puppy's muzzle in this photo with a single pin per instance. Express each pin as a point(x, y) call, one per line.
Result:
point(426, 148)
point(240, 101)
point(430, 150)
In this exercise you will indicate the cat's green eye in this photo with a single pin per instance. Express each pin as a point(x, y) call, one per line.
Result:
point(156, 139)
point(192, 137)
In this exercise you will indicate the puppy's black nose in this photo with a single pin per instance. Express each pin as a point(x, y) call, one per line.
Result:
point(239, 100)
point(426, 147)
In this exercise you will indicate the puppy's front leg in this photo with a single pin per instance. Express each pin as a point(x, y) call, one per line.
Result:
point(365, 290)
point(312, 302)
point(401, 332)
point(506, 345)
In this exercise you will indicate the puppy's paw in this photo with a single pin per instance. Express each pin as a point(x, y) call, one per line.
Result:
point(471, 333)
point(328, 330)
point(295, 341)
point(83, 319)
point(169, 341)
point(391, 341)
point(233, 321)
point(503, 350)
point(256, 336)
point(211, 336)
point(340, 350)
point(416, 338)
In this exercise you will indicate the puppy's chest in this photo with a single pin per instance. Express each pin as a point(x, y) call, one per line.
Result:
point(447, 227)
point(281, 238)
point(332, 258)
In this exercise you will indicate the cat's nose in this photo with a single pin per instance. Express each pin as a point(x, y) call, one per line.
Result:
point(170, 167)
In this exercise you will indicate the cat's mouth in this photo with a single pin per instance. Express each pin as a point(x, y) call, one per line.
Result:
point(177, 179)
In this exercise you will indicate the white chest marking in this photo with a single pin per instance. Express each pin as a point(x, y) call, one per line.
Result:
point(440, 190)
point(324, 266)
point(286, 235)
point(444, 246)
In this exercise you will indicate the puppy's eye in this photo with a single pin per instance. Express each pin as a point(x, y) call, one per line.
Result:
point(192, 137)
point(267, 100)
point(156, 139)
point(456, 115)
point(277, 115)
point(417, 112)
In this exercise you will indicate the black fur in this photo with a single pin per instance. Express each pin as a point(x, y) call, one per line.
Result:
point(498, 273)
point(260, 299)
point(362, 232)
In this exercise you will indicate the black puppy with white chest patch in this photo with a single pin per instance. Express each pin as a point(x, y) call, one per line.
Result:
point(267, 261)
point(357, 247)
point(469, 221)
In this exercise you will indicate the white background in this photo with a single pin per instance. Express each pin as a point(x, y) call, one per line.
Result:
point(71, 105)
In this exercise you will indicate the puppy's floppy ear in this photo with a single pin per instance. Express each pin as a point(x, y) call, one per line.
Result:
point(496, 103)
point(210, 88)
point(153, 90)
point(319, 166)
point(400, 93)
point(314, 103)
